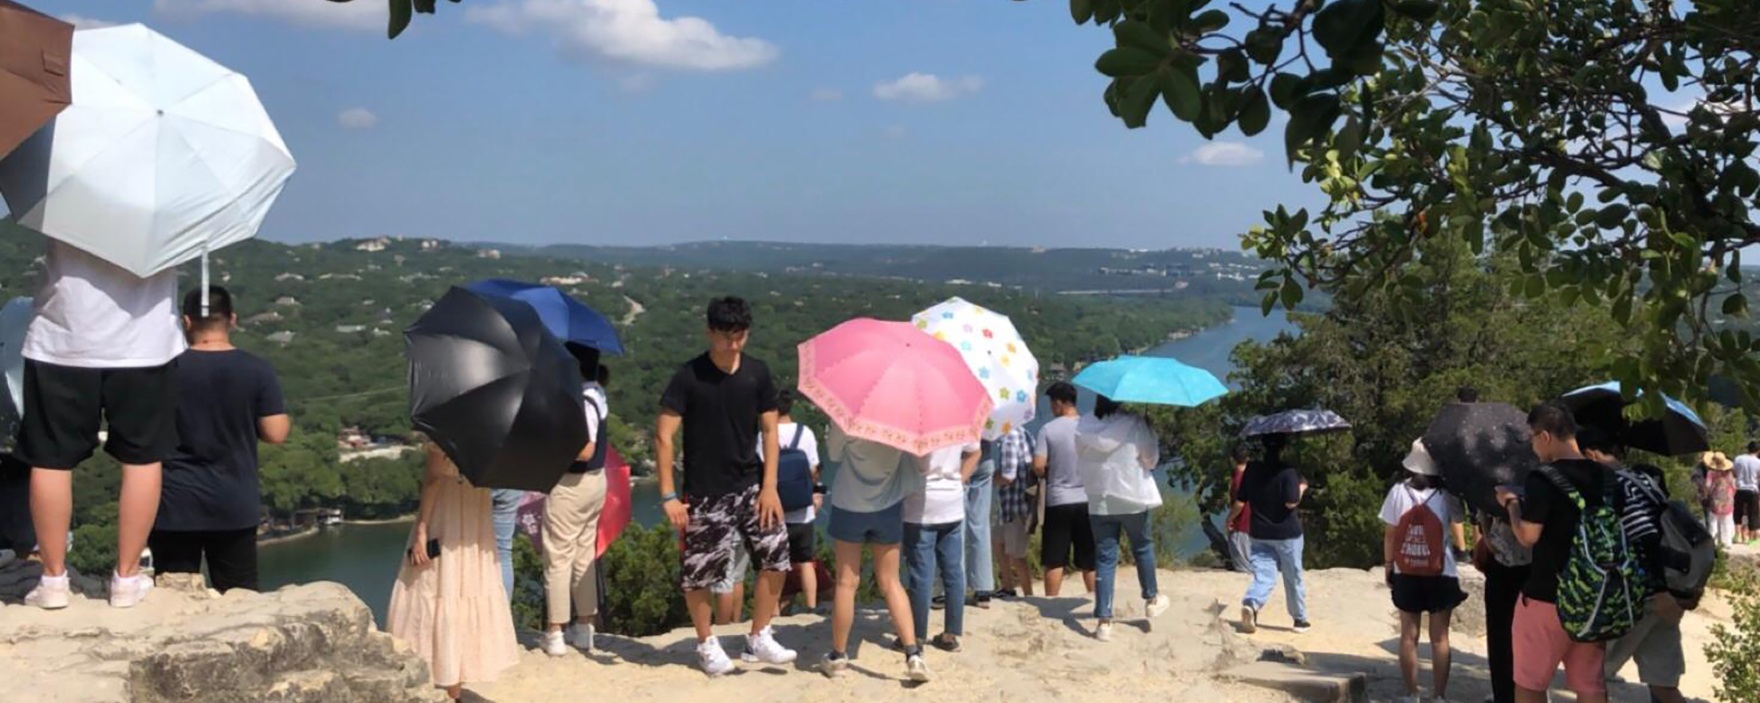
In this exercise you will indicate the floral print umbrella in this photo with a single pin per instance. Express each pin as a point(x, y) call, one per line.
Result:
point(996, 354)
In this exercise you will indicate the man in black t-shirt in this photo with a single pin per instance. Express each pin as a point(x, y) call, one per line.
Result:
point(211, 500)
point(724, 399)
point(1545, 518)
point(1270, 490)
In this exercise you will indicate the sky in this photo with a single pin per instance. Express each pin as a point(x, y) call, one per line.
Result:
point(640, 122)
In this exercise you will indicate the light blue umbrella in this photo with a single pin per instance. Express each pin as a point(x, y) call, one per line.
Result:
point(1156, 380)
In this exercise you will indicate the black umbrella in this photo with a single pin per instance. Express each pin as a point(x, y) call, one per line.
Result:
point(496, 391)
point(1678, 432)
point(1480, 446)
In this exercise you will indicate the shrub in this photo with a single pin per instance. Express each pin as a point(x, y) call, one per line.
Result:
point(642, 595)
point(1734, 651)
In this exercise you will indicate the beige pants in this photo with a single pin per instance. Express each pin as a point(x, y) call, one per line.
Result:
point(571, 535)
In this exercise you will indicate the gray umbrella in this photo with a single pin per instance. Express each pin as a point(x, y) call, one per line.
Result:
point(1480, 446)
point(1295, 422)
point(15, 318)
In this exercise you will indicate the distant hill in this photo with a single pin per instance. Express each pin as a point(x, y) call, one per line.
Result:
point(1204, 272)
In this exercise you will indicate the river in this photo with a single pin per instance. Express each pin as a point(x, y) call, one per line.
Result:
point(365, 557)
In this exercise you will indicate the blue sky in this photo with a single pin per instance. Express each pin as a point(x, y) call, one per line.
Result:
point(662, 121)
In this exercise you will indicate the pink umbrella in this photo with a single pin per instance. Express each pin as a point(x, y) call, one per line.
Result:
point(612, 520)
point(890, 382)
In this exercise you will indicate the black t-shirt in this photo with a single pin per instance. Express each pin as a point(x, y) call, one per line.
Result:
point(1268, 489)
point(211, 478)
point(1544, 503)
point(721, 416)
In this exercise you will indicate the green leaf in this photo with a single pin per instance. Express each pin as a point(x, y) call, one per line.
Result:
point(1210, 21)
point(1255, 112)
point(1081, 11)
point(1138, 98)
point(1179, 89)
point(1309, 118)
point(1736, 305)
point(402, 11)
point(1612, 216)
point(1231, 66)
point(1126, 61)
point(1343, 28)
point(1131, 33)
point(1291, 293)
point(1266, 304)
point(1263, 46)
point(1284, 89)
point(1420, 10)
point(425, 7)
point(1350, 139)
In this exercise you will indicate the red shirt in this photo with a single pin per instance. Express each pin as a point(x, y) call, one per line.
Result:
point(1244, 521)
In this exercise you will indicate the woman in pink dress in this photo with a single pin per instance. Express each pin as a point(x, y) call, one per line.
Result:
point(452, 607)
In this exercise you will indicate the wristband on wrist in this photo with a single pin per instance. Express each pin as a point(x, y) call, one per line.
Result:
point(669, 497)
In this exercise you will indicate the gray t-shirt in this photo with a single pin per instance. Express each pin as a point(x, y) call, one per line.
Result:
point(1747, 473)
point(871, 476)
point(1057, 445)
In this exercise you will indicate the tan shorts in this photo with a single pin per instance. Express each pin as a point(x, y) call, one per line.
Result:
point(1014, 536)
point(1656, 643)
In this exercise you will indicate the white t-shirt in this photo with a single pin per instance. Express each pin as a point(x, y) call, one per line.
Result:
point(598, 408)
point(1747, 473)
point(1403, 497)
point(94, 314)
point(942, 498)
point(809, 445)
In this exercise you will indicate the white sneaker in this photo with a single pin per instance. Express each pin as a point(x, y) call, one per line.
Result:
point(129, 592)
point(916, 668)
point(581, 635)
point(554, 644)
point(763, 647)
point(832, 666)
point(1157, 606)
point(51, 593)
point(712, 659)
point(1103, 632)
point(1249, 619)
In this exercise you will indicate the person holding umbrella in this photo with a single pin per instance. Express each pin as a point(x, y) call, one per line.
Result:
point(1272, 489)
point(723, 399)
point(571, 524)
point(1117, 454)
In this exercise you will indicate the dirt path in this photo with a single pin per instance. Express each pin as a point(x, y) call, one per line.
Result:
point(635, 310)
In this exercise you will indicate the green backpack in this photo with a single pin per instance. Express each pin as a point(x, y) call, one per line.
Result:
point(1601, 591)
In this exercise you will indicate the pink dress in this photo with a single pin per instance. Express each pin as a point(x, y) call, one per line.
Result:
point(453, 610)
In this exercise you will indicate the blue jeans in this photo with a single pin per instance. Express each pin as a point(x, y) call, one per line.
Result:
point(506, 511)
point(1271, 557)
point(980, 573)
point(1106, 535)
point(928, 548)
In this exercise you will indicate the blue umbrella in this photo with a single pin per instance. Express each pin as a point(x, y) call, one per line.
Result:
point(1151, 379)
point(569, 319)
point(1679, 431)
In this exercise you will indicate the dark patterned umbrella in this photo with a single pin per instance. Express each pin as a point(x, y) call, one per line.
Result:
point(496, 391)
point(1295, 422)
point(1480, 446)
point(1678, 432)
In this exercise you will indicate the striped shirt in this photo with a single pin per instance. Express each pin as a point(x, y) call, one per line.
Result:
point(1014, 461)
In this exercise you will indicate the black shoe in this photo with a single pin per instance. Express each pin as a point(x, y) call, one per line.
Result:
point(938, 603)
point(982, 600)
point(1303, 626)
point(1004, 593)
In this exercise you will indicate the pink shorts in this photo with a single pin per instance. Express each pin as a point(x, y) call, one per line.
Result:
point(1540, 645)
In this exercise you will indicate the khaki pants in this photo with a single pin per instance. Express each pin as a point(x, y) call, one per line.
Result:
point(571, 535)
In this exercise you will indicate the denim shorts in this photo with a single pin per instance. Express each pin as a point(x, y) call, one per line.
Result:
point(882, 527)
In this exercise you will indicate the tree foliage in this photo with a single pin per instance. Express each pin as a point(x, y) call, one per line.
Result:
point(1607, 146)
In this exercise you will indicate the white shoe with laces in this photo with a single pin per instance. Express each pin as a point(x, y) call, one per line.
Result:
point(1103, 632)
point(712, 658)
point(554, 643)
point(1156, 606)
point(51, 593)
point(130, 591)
point(763, 647)
point(916, 668)
point(581, 636)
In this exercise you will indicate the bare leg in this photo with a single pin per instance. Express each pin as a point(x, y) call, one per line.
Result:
point(1088, 580)
point(809, 583)
point(1526, 696)
point(767, 598)
point(701, 603)
point(51, 513)
point(1053, 582)
point(1005, 580)
point(897, 602)
point(724, 605)
point(137, 509)
point(455, 691)
point(1024, 576)
point(1408, 651)
point(843, 602)
point(1441, 653)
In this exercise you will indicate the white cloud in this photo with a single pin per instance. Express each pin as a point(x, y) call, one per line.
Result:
point(927, 88)
point(1225, 154)
point(364, 15)
point(827, 95)
point(357, 118)
point(84, 22)
point(628, 32)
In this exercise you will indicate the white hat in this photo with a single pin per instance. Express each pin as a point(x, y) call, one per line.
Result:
point(1419, 461)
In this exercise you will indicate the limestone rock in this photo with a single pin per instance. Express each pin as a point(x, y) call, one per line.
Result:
point(305, 644)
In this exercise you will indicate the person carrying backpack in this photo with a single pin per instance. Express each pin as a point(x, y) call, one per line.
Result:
point(797, 484)
point(1423, 522)
point(1586, 586)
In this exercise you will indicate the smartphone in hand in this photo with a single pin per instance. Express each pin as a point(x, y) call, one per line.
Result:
point(433, 550)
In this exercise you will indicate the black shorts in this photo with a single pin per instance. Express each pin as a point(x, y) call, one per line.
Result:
point(1748, 509)
point(65, 407)
point(803, 543)
point(1067, 528)
point(719, 524)
point(231, 555)
point(1427, 594)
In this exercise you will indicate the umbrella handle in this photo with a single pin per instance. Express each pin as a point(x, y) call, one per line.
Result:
point(204, 280)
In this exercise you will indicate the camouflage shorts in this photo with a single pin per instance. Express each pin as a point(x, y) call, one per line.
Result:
point(720, 524)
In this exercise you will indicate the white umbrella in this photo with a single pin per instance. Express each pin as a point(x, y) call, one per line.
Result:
point(163, 156)
point(15, 317)
point(996, 354)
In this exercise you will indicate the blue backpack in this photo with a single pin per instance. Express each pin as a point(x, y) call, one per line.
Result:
point(794, 474)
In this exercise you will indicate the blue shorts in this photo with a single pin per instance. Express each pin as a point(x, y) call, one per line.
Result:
point(883, 527)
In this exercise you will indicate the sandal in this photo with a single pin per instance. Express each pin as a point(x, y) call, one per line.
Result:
point(946, 642)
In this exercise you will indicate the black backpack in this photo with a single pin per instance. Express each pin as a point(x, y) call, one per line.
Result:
point(1685, 552)
point(794, 474)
